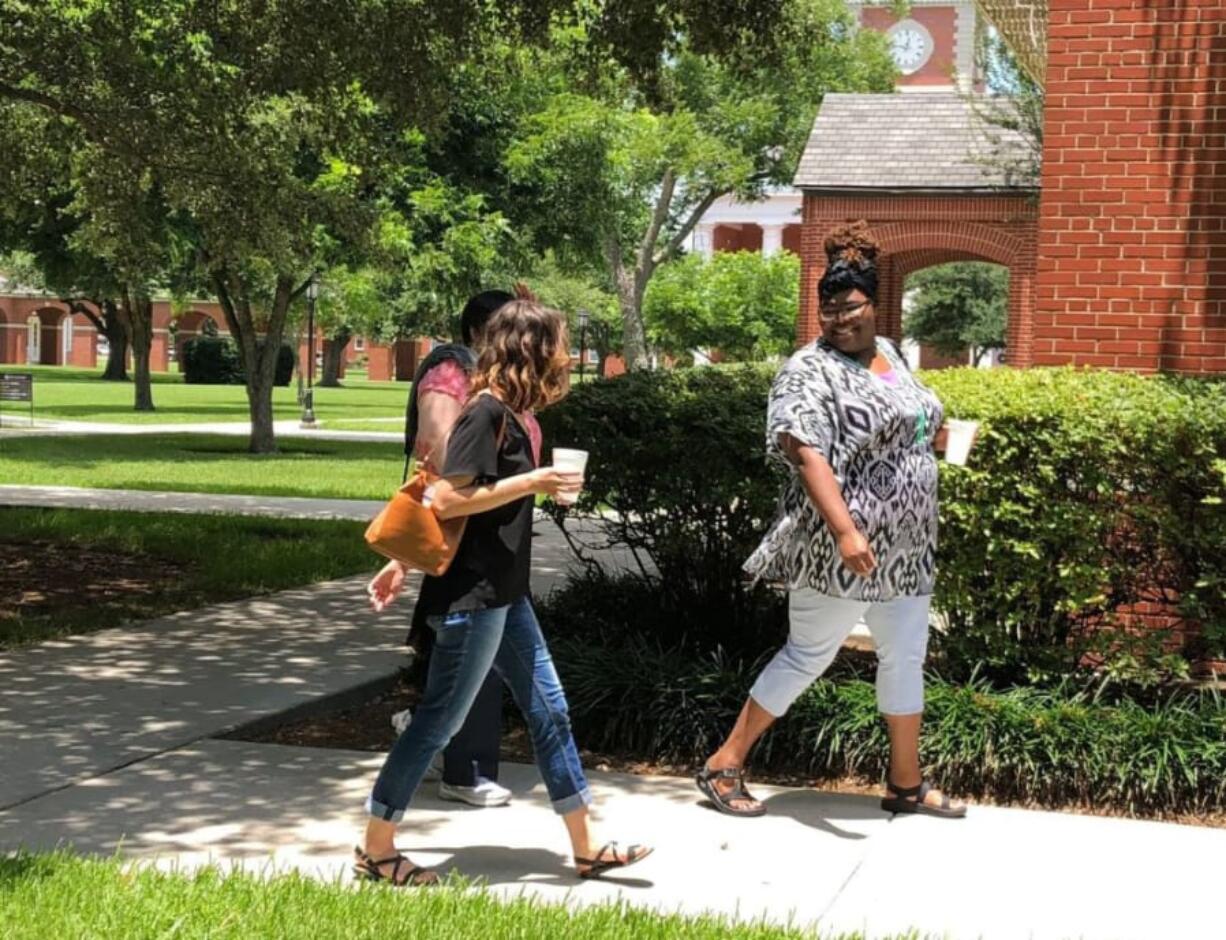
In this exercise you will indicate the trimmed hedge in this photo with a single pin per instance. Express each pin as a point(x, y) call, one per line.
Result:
point(1089, 492)
point(1054, 747)
point(213, 360)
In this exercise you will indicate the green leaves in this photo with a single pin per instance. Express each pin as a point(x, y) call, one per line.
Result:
point(741, 303)
point(959, 306)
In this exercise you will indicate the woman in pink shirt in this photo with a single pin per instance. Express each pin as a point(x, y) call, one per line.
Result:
point(440, 391)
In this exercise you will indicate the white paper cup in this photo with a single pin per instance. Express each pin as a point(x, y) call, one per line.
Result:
point(960, 437)
point(566, 460)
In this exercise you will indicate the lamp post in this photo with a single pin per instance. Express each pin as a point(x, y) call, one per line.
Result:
point(308, 398)
point(584, 316)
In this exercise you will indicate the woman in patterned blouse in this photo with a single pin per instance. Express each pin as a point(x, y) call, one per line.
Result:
point(856, 532)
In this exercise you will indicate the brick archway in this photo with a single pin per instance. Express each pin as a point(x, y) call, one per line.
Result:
point(188, 326)
point(926, 193)
point(918, 231)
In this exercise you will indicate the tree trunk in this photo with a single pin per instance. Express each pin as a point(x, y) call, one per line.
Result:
point(136, 311)
point(259, 397)
point(630, 286)
point(259, 357)
point(334, 349)
point(117, 339)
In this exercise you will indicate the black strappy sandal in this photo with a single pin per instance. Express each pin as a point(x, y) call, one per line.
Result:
point(723, 800)
point(599, 865)
point(367, 869)
point(911, 800)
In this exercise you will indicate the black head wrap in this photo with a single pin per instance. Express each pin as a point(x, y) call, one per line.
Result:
point(844, 275)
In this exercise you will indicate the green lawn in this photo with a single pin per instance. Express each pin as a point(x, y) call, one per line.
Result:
point(204, 463)
point(168, 562)
point(79, 395)
point(58, 896)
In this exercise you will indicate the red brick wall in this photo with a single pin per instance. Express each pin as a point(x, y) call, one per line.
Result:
point(1132, 245)
point(918, 231)
point(737, 238)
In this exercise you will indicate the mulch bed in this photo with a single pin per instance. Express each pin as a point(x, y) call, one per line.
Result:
point(40, 578)
point(368, 727)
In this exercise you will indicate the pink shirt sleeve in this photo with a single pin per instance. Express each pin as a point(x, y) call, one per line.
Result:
point(446, 377)
point(533, 427)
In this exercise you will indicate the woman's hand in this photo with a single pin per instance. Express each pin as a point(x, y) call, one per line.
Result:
point(857, 553)
point(548, 481)
point(941, 441)
point(385, 587)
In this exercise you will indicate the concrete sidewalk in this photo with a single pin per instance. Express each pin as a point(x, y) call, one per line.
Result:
point(53, 428)
point(291, 507)
point(827, 859)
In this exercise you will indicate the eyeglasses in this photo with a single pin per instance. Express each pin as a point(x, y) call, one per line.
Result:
point(848, 312)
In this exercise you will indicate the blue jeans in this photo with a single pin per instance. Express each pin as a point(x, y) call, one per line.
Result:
point(467, 644)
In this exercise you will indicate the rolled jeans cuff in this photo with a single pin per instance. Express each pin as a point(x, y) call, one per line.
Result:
point(571, 803)
point(382, 811)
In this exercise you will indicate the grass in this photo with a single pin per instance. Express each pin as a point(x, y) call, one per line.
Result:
point(205, 463)
point(72, 394)
point(194, 555)
point(58, 895)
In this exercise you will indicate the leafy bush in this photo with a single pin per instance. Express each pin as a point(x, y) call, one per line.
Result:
point(1090, 493)
point(678, 458)
point(212, 360)
point(1054, 747)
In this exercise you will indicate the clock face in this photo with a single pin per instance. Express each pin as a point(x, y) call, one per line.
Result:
point(911, 47)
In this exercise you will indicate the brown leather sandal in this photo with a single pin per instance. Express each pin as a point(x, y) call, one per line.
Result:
point(911, 800)
point(598, 865)
point(723, 799)
point(368, 869)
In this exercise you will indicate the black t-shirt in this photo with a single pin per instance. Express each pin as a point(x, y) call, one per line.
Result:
point(491, 567)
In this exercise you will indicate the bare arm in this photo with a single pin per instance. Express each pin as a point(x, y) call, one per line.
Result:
point(437, 413)
point(825, 493)
point(457, 496)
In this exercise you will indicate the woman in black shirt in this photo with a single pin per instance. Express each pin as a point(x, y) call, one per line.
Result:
point(481, 609)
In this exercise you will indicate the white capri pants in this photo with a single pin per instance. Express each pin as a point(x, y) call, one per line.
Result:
point(820, 623)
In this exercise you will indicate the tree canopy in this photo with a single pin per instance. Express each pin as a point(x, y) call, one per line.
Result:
point(959, 306)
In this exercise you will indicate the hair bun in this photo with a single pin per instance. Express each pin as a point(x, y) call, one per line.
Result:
point(851, 244)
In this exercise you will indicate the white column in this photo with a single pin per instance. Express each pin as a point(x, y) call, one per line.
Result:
point(702, 239)
point(772, 239)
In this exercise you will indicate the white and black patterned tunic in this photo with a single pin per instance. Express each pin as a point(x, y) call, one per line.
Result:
point(877, 436)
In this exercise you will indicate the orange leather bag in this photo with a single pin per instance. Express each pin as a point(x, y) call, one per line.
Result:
point(408, 531)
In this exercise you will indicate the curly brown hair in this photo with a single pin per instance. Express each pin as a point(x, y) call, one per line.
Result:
point(525, 356)
point(851, 243)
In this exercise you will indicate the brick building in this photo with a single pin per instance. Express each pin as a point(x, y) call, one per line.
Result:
point(914, 167)
point(40, 329)
point(1132, 225)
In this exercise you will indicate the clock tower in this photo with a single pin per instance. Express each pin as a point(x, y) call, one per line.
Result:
point(933, 45)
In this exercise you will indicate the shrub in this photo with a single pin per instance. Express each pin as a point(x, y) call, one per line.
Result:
point(1090, 493)
point(1055, 747)
point(678, 458)
point(211, 360)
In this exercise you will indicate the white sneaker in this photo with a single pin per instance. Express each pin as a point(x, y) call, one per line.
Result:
point(485, 793)
point(401, 720)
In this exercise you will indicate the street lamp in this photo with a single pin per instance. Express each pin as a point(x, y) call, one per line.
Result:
point(308, 399)
point(584, 316)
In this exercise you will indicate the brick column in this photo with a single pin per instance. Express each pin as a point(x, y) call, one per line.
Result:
point(1132, 234)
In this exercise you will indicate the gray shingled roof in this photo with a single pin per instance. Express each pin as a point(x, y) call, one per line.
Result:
point(921, 141)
